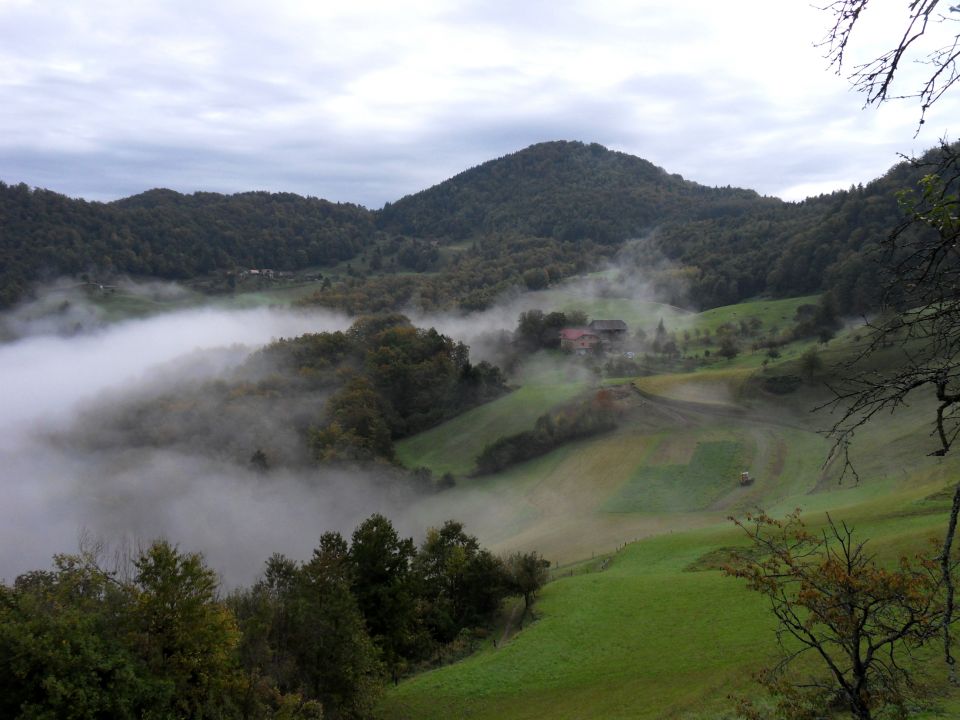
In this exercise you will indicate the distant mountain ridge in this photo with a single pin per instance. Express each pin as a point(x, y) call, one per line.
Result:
point(566, 204)
point(560, 189)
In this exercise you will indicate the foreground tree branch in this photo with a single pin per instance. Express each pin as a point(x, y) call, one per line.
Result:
point(919, 329)
point(922, 293)
point(875, 78)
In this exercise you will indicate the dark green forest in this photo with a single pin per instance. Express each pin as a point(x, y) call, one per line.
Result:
point(151, 634)
point(525, 220)
point(164, 234)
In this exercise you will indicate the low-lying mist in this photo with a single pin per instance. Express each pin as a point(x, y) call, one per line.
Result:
point(628, 277)
point(88, 447)
point(67, 467)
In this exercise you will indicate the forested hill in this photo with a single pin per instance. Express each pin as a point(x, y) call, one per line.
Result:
point(562, 190)
point(253, 229)
point(164, 234)
point(829, 242)
point(532, 217)
point(583, 203)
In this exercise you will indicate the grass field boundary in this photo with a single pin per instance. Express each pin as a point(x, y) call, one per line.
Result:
point(708, 408)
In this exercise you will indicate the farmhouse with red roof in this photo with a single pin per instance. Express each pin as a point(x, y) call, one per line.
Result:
point(579, 340)
point(600, 334)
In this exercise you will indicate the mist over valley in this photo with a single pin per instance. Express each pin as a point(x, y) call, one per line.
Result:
point(517, 404)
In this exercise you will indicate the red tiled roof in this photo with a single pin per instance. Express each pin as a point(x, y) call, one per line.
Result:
point(575, 333)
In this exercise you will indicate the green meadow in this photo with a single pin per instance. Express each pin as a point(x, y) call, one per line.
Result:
point(453, 446)
point(773, 314)
point(636, 623)
point(652, 636)
point(678, 488)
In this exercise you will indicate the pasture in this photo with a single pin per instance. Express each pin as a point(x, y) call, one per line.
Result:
point(654, 632)
point(453, 446)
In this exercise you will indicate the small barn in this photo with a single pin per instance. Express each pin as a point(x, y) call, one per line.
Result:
point(610, 332)
point(579, 340)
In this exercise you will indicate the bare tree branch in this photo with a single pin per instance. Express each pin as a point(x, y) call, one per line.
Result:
point(875, 78)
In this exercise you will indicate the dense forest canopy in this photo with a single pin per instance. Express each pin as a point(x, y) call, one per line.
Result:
point(167, 235)
point(151, 634)
point(560, 190)
point(527, 219)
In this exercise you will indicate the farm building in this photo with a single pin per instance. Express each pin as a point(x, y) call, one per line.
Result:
point(610, 332)
point(579, 340)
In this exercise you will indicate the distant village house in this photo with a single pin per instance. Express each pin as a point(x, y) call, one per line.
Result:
point(579, 340)
point(599, 335)
point(263, 273)
point(610, 332)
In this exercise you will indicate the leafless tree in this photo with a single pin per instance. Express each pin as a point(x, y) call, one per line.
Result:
point(922, 290)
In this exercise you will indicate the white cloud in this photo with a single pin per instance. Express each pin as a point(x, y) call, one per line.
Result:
point(369, 101)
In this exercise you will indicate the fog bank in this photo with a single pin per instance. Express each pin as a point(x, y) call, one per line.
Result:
point(76, 391)
point(56, 387)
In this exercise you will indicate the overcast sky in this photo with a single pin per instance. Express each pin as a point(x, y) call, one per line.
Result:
point(368, 101)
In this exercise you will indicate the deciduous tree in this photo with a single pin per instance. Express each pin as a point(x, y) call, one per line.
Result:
point(527, 573)
point(383, 584)
point(183, 631)
point(833, 601)
point(462, 584)
point(62, 646)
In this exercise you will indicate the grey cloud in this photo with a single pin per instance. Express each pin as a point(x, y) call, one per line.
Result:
point(120, 170)
point(536, 17)
point(577, 22)
point(235, 99)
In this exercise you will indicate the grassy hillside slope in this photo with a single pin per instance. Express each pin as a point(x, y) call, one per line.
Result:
point(454, 445)
point(648, 637)
point(654, 474)
point(644, 635)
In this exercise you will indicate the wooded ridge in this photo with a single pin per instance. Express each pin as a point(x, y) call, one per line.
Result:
point(528, 218)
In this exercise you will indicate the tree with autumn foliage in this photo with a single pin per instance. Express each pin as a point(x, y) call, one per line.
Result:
point(833, 601)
